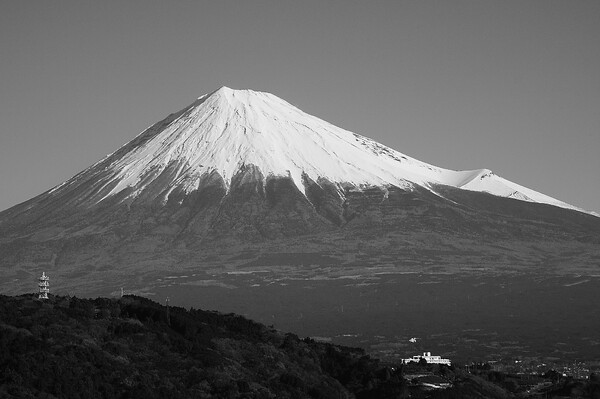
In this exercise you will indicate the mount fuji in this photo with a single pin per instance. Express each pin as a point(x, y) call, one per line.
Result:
point(243, 179)
point(230, 131)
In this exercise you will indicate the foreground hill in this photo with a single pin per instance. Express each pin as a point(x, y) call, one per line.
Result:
point(132, 348)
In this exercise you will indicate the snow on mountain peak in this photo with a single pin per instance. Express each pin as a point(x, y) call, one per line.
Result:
point(229, 129)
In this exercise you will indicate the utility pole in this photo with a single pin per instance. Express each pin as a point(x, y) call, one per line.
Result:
point(168, 315)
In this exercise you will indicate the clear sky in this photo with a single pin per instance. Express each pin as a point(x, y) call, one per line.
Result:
point(512, 86)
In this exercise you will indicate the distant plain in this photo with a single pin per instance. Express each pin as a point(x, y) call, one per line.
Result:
point(463, 316)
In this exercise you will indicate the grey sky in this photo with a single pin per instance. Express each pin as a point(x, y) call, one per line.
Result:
point(513, 86)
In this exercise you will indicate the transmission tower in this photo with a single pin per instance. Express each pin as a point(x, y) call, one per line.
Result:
point(44, 286)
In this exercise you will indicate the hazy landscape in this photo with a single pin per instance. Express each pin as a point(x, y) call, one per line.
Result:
point(467, 317)
point(267, 199)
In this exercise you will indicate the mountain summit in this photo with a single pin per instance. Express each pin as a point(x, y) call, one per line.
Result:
point(228, 130)
point(241, 178)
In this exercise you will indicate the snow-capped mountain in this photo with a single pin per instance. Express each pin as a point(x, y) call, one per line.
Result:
point(224, 131)
point(242, 179)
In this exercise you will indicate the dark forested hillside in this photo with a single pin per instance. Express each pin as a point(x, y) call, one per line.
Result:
point(131, 347)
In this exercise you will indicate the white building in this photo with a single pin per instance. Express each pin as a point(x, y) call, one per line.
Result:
point(430, 359)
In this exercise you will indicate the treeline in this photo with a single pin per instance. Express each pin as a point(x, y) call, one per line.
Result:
point(131, 347)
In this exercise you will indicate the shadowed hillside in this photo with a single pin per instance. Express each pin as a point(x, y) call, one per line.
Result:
point(132, 348)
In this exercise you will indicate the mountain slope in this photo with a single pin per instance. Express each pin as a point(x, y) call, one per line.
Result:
point(240, 175)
